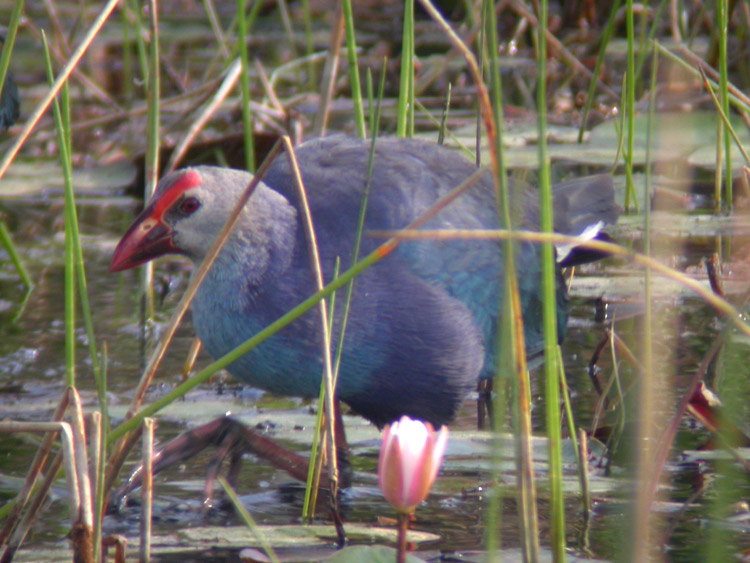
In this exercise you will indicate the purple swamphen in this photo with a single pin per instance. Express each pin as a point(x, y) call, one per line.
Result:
point(422, 326)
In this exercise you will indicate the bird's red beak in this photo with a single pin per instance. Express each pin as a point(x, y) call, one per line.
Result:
point(148, 238)
point(151, 236)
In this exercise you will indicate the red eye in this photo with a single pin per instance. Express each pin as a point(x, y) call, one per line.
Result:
point(189, 205)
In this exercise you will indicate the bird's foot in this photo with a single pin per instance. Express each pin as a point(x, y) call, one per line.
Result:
point(233, 439)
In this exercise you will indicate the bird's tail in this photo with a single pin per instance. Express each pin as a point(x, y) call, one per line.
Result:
point(584, 207)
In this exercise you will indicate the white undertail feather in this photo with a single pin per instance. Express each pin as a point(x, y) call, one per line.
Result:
point(589, 233)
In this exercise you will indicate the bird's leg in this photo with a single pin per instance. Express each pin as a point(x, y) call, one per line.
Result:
point(484, 403)
point(231, 446)
point(342, 448)
point(235, 465)
point(183, 447)
point(600, 347)
point(344, 470)
point(234, 439)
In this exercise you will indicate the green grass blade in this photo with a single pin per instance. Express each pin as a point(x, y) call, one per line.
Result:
point(153, 87)
point(643, 49)
point(444, 117)
point(316, 460)
point(722, 25)
point(375, 121)
point(549, 306)
point(102, 469)
point(572, 429)
point(69, 284)
point(248, 520)
point(512, 350)
point(351, 45)
point(630, 109)
point(725, 120)
point(736, 97)
point(15, 258)
point(74, 263)
point(309, 45)
point(127, 61)
point(140, 43)
point(213, 18)
point(405, 116)
point(247, 120)
point(646, 414)
point(606, 36)
point(360, 227)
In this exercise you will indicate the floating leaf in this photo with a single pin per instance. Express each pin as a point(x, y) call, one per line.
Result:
point(369, 554)
point(295, 535)
point(40, 177)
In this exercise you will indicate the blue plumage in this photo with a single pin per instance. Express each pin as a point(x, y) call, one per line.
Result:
point(423, 321)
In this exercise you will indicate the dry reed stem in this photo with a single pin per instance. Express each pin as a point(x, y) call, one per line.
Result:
point(147, 488)
point(33, 510)
point(37, 468)
point(83, 527)
point(36, 115)
point(330, 71)
point(522, 10)
point(68, 456)
point(232, 74)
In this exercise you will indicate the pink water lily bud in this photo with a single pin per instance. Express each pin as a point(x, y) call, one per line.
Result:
point(410, 457)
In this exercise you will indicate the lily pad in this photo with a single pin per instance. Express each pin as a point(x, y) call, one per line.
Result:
point(26, 178)
point(705, 157)
point(369, 554)
point(626, 287)
point(675, 135)
point(520, 139)
point(296, 535)
point(681, 226)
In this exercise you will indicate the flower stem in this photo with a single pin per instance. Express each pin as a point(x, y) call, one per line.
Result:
point(403, 525)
